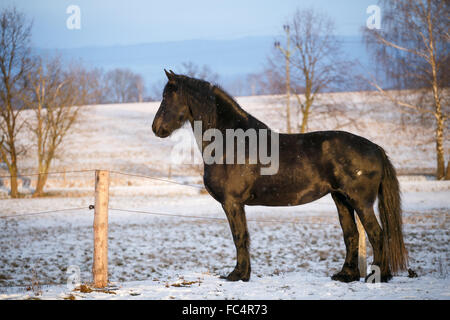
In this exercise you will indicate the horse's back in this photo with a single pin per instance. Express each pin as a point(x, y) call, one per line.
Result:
point(339, 153)
point(314, 164)
point(323, 147)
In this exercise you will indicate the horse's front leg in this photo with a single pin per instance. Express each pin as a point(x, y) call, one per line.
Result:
point(238, 224)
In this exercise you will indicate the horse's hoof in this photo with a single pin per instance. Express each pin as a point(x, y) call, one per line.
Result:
point(386, 278)
point(412, 274)
point(236, 275)
point(345, 277)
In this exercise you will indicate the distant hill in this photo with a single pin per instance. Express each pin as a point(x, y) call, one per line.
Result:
point(231, 59)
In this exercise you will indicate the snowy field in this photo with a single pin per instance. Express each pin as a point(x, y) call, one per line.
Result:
point(119, 136)
point(294, 250)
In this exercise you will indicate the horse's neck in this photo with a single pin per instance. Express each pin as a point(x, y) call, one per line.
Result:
point(221, 113)
point(229, 115)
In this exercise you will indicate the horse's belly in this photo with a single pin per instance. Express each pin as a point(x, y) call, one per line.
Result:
point(287, 195)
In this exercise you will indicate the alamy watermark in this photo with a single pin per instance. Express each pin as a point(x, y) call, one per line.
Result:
point(374, 278)
point(230, 147)
point(73, 22)
point(374, 20)
point(73, 277)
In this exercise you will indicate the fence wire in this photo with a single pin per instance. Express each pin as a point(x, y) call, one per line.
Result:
point(43, 212)
point(157, 179)
point(45, 173)
point(142, 211)
point(213, 218)
point(298, 220)
point(110, 171)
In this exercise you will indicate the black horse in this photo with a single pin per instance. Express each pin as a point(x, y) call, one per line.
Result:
point(353, 169)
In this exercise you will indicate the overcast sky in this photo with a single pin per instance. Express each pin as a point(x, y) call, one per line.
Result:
point(112, 22)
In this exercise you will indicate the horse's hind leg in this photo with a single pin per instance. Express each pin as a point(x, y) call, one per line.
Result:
point(350, 271)
point(238, 224)
point(375, 235)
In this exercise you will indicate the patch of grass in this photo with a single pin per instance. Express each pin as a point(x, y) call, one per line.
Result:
point(185, 283)
point(84, 288)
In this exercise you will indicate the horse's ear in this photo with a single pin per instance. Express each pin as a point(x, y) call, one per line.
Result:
point(170, 76)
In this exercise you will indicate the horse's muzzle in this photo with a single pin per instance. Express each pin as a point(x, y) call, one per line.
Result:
point(158, 128)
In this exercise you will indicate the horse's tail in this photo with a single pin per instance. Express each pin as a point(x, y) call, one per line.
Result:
point(395, 256)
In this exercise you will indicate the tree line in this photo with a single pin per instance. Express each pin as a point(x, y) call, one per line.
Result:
point(411, 48)
point(53, 90)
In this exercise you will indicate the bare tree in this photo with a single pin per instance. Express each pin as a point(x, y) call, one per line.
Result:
point(204, 72)
point(287, 55)
point(15, 62)
point(140, 87)
point(313, 64)
point(157, 89)
point(56, 96)
point(413, 49)
point(271, 80)
point(260, 83)
point(123, 85)
point(91, 83)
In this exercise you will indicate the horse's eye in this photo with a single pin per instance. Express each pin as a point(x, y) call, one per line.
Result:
point(172, 87)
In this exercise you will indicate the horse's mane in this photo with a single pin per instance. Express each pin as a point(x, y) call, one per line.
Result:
point(223, 96)
point(213, 96)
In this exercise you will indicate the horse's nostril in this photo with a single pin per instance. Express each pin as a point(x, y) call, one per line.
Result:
point(159, 129)
point(156, 125)
point(163, 132)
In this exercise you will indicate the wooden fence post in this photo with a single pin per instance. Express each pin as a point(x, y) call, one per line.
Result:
point(64, 177)
point(362, 261)
point(100, 261)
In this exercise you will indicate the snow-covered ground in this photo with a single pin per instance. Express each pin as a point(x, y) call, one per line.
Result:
point(292, 286)
point(294, 250)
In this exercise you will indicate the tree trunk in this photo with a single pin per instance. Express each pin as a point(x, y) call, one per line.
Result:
point(288, 96)
point(440, 172)
point(305, 115)
point(288, 84)
point(42, 180)
point(44, 166)
point(11, 162)
point(14, 184)
point(447, 174)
